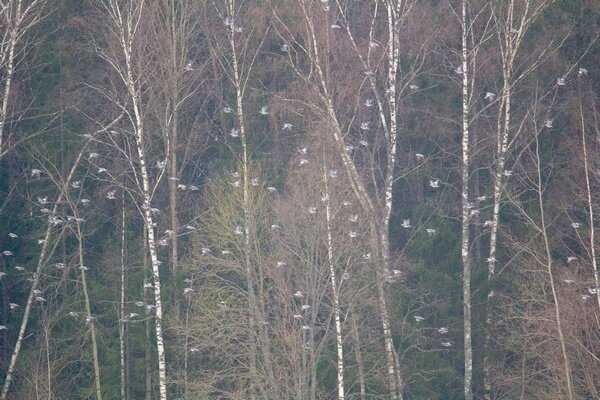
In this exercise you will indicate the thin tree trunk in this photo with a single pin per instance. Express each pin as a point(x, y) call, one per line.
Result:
point(362, 382)
point(336, 296)
point(13, 38)
point(465, 242)
point(366, 203)
point(88, 311)
point(122, 323)
point(549, 270)
point(134, 97)
point(590, 203)
point(35, 283)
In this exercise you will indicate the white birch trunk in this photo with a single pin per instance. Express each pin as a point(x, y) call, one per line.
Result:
point(13, 38)
point(127, 29)
point(363, 197)
point(122, 300)
point(18, 21)
point(465, 243)
point(335, 291)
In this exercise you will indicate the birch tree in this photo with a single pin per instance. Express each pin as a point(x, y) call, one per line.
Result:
point(126, 62)
point(18, 18)
point(315, 48)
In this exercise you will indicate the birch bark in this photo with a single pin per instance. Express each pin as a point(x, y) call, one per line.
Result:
point(466, 209)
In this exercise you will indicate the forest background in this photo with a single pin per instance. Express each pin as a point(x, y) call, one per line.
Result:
point(265, 199)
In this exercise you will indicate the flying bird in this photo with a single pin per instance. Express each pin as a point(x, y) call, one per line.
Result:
point(264, 110)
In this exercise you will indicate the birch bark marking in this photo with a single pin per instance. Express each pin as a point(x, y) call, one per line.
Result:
point(336, 296)
point(465, 244)
point(122, 327)
point(13, 37)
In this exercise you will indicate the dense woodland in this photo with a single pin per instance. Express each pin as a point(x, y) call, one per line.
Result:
point(299, 199)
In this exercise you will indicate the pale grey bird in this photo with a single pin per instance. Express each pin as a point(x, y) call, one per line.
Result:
point(560, 81)
point(304, 161)
point(13, 306)
point(582, 71)
point(490, 96)
point(419, 156)
point(227, 110)
point(413, 87)
point(36, 172)
point(76, 184)
point(92, 156)
point(576, 225)
point(364, 126)
point(234, 133)
point(8, 253)
point(287, 126)
point(189, 66)
point(254, 181)
point(285, 48)
point(418, 318)
point(333, 173)
point(298, 294)
point(264, 110)
point(13, 235)
point(188, 290)
point(369, 103)
point(434, 183)
point(366, 256)
point(406, 223)
point(111, 195)
point(352, 234)
point(353, 218)
point(430, 231)
point(238, 230)
point(443, 330)
point(549, 123)
point(364, 143)
point(271, 189)
point(312, 210)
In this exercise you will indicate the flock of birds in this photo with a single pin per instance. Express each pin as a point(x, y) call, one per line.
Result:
point(239, 229)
